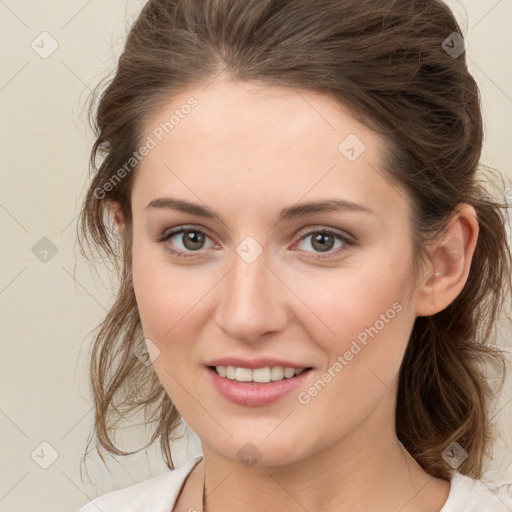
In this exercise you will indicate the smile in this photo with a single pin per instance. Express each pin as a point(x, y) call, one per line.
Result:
point(262, 375)
point(240, 385)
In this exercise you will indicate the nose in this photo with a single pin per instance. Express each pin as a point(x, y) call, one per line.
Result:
point(251, 300)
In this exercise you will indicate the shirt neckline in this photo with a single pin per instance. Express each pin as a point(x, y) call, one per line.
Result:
point(461, 488)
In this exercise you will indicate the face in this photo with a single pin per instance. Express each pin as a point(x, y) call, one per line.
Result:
point(331, 290)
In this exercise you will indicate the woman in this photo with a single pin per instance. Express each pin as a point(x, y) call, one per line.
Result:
point(309, 258)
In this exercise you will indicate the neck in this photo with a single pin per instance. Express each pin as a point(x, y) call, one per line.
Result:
point(369, 469)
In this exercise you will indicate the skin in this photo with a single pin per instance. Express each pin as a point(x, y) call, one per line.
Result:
point(247, 151)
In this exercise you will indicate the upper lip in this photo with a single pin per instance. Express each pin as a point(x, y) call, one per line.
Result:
point(260, 362)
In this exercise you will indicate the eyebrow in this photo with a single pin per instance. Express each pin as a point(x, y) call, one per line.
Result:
point(290, 212)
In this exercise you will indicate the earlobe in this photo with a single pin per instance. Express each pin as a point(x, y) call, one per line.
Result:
point(449, 264)
point(117, 215)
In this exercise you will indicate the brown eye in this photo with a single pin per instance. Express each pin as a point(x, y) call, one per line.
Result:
point(193, 240)
point(186, 241)
point(324, 241)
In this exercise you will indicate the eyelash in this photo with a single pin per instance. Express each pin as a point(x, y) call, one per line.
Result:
point(348, 242)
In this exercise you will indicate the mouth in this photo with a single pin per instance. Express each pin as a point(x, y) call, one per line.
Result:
point(262, 375)
point(257, 387)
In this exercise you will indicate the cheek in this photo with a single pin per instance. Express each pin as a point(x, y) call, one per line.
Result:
point(370, 316)
point(374, 322)
point(372, 327)
point(165, 301)
point(164, 293)
point(355, 302)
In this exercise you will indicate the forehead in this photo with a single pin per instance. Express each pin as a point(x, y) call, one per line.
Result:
point(254, 145)
point(230, 114)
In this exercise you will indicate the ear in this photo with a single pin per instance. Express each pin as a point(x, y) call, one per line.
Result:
point(117, 214)
point(448, 268)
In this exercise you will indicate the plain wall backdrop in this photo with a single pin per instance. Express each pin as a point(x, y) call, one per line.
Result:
point(52, 53)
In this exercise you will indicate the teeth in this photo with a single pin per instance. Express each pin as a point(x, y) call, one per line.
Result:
point(266, 374)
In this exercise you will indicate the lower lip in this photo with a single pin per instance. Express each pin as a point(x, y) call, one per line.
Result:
point(255, 394)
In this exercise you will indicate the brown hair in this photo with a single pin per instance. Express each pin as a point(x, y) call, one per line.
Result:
point(386, 61)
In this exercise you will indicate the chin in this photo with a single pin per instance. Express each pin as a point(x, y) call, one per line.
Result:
point(261, 450)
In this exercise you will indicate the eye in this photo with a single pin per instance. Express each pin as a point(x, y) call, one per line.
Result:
point(323, 241)
point(192, 240)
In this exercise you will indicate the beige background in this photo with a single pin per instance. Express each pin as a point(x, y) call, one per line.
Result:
point(46, 314)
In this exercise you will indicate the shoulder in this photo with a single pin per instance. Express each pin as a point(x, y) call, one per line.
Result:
point(473, 495)
point(156, 494)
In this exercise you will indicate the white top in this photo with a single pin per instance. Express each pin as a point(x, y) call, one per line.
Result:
point(159, 493)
